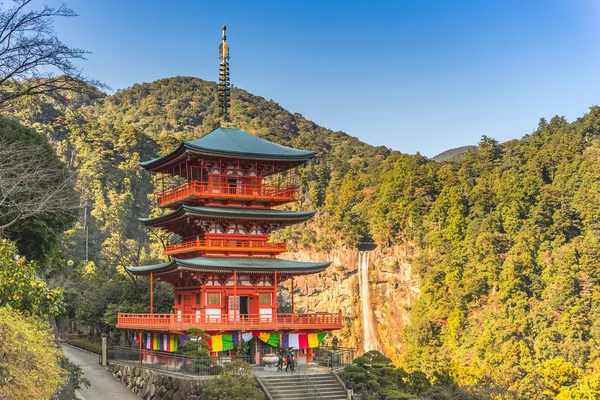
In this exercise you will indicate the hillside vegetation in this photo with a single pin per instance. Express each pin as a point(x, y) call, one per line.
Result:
point(508, 237)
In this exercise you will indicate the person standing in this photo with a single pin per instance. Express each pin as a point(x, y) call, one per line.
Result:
point(350, 388)
point(290, 360)
point(280, 362)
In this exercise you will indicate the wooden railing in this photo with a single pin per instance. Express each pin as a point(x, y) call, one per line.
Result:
point(246, 246)
point(165, 322)
point(246, 192)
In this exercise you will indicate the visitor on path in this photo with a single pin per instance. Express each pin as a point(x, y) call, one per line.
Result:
point(280, 362)
point(290, 360)
point(350, 388)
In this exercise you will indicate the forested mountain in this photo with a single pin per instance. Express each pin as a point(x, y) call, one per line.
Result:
point(507, 238)
point(453, 154)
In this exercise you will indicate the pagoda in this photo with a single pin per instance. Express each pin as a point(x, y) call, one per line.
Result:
point(224, 269)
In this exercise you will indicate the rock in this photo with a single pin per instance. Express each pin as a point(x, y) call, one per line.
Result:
point(177, 396)
point(136, 371)
point(169, 384)
point(175, 385)
point(160, 392)
point(168, 395)
point(118, 375)
point(152, 390)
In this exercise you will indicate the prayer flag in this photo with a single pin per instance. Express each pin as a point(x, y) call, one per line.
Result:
point(273, 340)
point(293, 341)
point(264, 336)
point(313, 340)
point(227, 342)
point(255, 333)
point(286, 341)
point(208, 342)
point(183, 339)
point(321, 336)
point(236, 340)
point(247, 336)
point(217, 343)
point(303, 341)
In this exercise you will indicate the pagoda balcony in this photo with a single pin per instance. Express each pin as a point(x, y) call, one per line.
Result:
point(230, 322)
point(274, 194)
point(226, 246)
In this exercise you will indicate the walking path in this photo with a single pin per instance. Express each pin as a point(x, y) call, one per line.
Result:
point(103, 385)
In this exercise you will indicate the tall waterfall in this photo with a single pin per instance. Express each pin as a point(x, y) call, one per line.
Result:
point(370, 341)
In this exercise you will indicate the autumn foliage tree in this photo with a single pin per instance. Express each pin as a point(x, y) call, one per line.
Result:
point(29, 357)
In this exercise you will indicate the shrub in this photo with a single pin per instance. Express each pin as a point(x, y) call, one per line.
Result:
point(93, 347)
point(235, 382)
point(29, 358)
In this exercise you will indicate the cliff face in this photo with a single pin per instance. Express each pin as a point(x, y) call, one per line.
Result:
point(392, 293)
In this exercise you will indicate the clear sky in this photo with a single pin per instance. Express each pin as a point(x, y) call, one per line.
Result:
point(411, 75)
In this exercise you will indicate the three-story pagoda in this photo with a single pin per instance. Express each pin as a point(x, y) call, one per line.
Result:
point(224, 269)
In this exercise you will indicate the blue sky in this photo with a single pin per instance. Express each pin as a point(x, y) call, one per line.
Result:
point(414, 76)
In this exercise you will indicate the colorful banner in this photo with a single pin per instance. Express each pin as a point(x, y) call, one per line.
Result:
point(272, 339)
point(222, 342)
point(160, 342)
point(247, 336)
point(303, 341)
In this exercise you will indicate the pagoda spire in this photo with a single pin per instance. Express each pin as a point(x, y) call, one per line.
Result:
point(224, 85)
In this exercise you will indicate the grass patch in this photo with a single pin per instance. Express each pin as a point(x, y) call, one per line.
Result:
point(94, 347)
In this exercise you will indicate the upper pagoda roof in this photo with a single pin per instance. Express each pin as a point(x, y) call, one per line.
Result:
point(230, 142)
point(228, 264)
point(249, 214)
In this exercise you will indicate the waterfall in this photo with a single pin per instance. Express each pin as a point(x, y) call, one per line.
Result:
point(370, 341)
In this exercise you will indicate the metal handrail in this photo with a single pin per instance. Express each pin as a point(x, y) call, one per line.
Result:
point(299, 370)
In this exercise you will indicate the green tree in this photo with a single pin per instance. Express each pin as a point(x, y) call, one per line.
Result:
point(21, 289)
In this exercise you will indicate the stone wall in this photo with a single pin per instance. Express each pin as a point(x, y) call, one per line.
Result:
point(157, 385)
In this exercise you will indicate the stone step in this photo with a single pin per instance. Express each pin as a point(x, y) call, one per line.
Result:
point(292, 387)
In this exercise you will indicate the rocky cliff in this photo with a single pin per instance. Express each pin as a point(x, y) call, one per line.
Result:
point(393, 290)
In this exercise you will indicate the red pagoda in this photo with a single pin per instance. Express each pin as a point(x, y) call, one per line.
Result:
point(224, 269)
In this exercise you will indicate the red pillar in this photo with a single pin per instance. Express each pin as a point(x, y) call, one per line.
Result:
point(151, 294)
point(292, 295)
point(235, 295)
point(140, 337)
point(275, 295)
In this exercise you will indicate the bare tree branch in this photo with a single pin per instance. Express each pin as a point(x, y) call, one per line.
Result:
point(33, 61)
point(31, 184)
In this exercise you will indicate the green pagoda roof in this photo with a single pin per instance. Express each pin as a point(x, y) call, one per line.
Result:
point(228, 264)
point(249, 214)
point(230, 142)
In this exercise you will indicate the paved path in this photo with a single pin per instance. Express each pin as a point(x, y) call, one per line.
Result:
point(104, 385)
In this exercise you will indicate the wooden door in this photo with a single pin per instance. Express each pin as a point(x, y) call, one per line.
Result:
point(187, 304)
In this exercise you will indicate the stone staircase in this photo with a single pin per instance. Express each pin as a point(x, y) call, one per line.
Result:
point(294, 387)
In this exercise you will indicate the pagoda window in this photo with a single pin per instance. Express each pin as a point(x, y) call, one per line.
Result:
point(213, 298)
point(178, 299)
point(197, 298)
point(265, 298)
